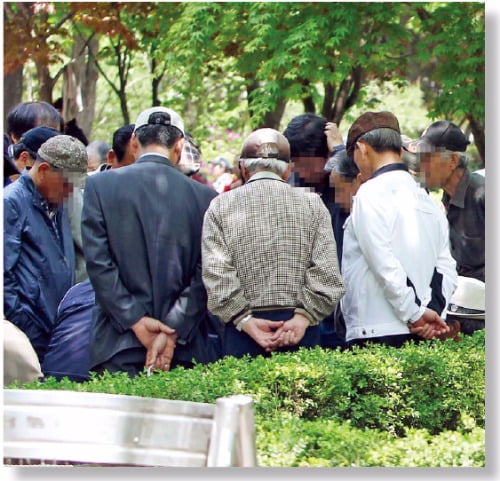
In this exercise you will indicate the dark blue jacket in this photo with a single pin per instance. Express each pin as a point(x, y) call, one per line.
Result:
point(68, 353)
point(141, 230)
point(38, 267)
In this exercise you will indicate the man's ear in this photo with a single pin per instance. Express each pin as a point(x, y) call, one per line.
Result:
point(455, 159)
point(42, 170)
point(287, 173)
point(23, 160)
point(111, 158)
point(363, 147)
point(134, 144)
point(177, 150)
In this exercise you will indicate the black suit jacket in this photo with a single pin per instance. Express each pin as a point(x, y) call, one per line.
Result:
point(141, 230)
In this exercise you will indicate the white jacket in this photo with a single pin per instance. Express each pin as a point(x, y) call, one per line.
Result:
point(395, 244)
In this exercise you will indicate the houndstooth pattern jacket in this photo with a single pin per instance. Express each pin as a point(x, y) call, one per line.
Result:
point(268, 244)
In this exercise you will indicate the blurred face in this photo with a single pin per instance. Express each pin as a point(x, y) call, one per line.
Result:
point(436, 168)
point(345, 189)
point(310, 169)
point(55, 184)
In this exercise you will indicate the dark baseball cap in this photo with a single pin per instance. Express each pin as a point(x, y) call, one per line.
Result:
point(442, 134)
point(370, 121)
point(266, 144)
point(33, 139)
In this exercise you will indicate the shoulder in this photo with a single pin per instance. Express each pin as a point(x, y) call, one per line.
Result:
point(16, 194)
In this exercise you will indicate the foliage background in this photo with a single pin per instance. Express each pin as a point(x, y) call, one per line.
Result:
point(229, 67)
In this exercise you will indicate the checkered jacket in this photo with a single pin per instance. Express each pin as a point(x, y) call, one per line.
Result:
point(268, 244)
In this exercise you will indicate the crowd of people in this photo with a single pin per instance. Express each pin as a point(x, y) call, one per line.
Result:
point(123, 257)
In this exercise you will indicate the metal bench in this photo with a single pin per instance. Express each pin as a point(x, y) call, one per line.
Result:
point(77, 428)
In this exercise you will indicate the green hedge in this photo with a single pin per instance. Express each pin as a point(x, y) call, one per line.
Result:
point(420, 405)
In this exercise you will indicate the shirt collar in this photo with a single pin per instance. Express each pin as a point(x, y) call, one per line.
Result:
point(458, 198)
point(265, 175)
point(389, 168)
point(153, 153)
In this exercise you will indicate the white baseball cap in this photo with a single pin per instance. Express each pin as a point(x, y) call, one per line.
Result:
point(159, 116)
point(468, 300)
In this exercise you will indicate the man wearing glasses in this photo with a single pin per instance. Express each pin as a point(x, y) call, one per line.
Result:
point(39, 257)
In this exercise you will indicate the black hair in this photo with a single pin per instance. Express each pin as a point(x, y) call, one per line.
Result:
point(165, 135)
point(306, 136)
point(383, 140)
point(27, 115)
point(121, 138)
point(344, 165)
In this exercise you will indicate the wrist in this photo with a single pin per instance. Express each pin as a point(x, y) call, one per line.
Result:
point(337, 148)
point(241, 322)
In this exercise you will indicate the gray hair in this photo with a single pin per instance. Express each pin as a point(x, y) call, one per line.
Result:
point(382, 140)
point(98, 148)
point(274, 165)
point(463, 157)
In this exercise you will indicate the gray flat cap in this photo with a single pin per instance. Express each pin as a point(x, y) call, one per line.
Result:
point(64, 152)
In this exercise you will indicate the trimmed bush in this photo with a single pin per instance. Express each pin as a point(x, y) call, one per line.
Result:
point(420, 405)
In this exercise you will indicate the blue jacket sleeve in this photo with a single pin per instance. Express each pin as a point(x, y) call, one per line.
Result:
point(12, 229)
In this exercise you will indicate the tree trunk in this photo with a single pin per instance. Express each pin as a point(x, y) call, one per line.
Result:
point(45, 83)
point(272, 119)
point(87, 77)
point(155, 83)
point(327, 109)
point(348, 94)
point(479, 139)
point(12, 92)
point(124, 107)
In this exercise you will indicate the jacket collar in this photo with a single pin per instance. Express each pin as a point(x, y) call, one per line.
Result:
point(458, 198)
point(38, 200)
point(265, 175)
point(389, 168)
point(155, 157)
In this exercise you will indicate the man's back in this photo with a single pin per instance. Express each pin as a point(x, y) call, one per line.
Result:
point(149, 216)
point(271, 228)
point(394, 238)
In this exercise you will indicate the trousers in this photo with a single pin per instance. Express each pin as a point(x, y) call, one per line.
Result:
point(238, 343)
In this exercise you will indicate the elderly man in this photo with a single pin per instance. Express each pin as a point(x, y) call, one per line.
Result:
point(397, 266)
point(443, 161)
point(141, 227)
point(39, 258)
point(269, 260)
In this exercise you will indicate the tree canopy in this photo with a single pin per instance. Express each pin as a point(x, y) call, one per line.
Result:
point(240, 64)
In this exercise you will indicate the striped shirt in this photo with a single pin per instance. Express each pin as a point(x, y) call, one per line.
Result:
point(268, 244)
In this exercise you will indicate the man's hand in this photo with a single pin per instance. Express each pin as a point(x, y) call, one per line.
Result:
point(429, 326)
point(160, 354)
point(333, 136)
point(261, 330)
point(291, 333)
point(159, 341)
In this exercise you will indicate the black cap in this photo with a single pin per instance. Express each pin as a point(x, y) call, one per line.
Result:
point(34, 138)
point(442, 134)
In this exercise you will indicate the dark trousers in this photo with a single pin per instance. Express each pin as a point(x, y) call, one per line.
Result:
point(238, 343)
point(394, 341)
point(132, 362)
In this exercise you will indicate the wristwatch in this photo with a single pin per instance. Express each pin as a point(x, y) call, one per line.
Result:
point(243, 321)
